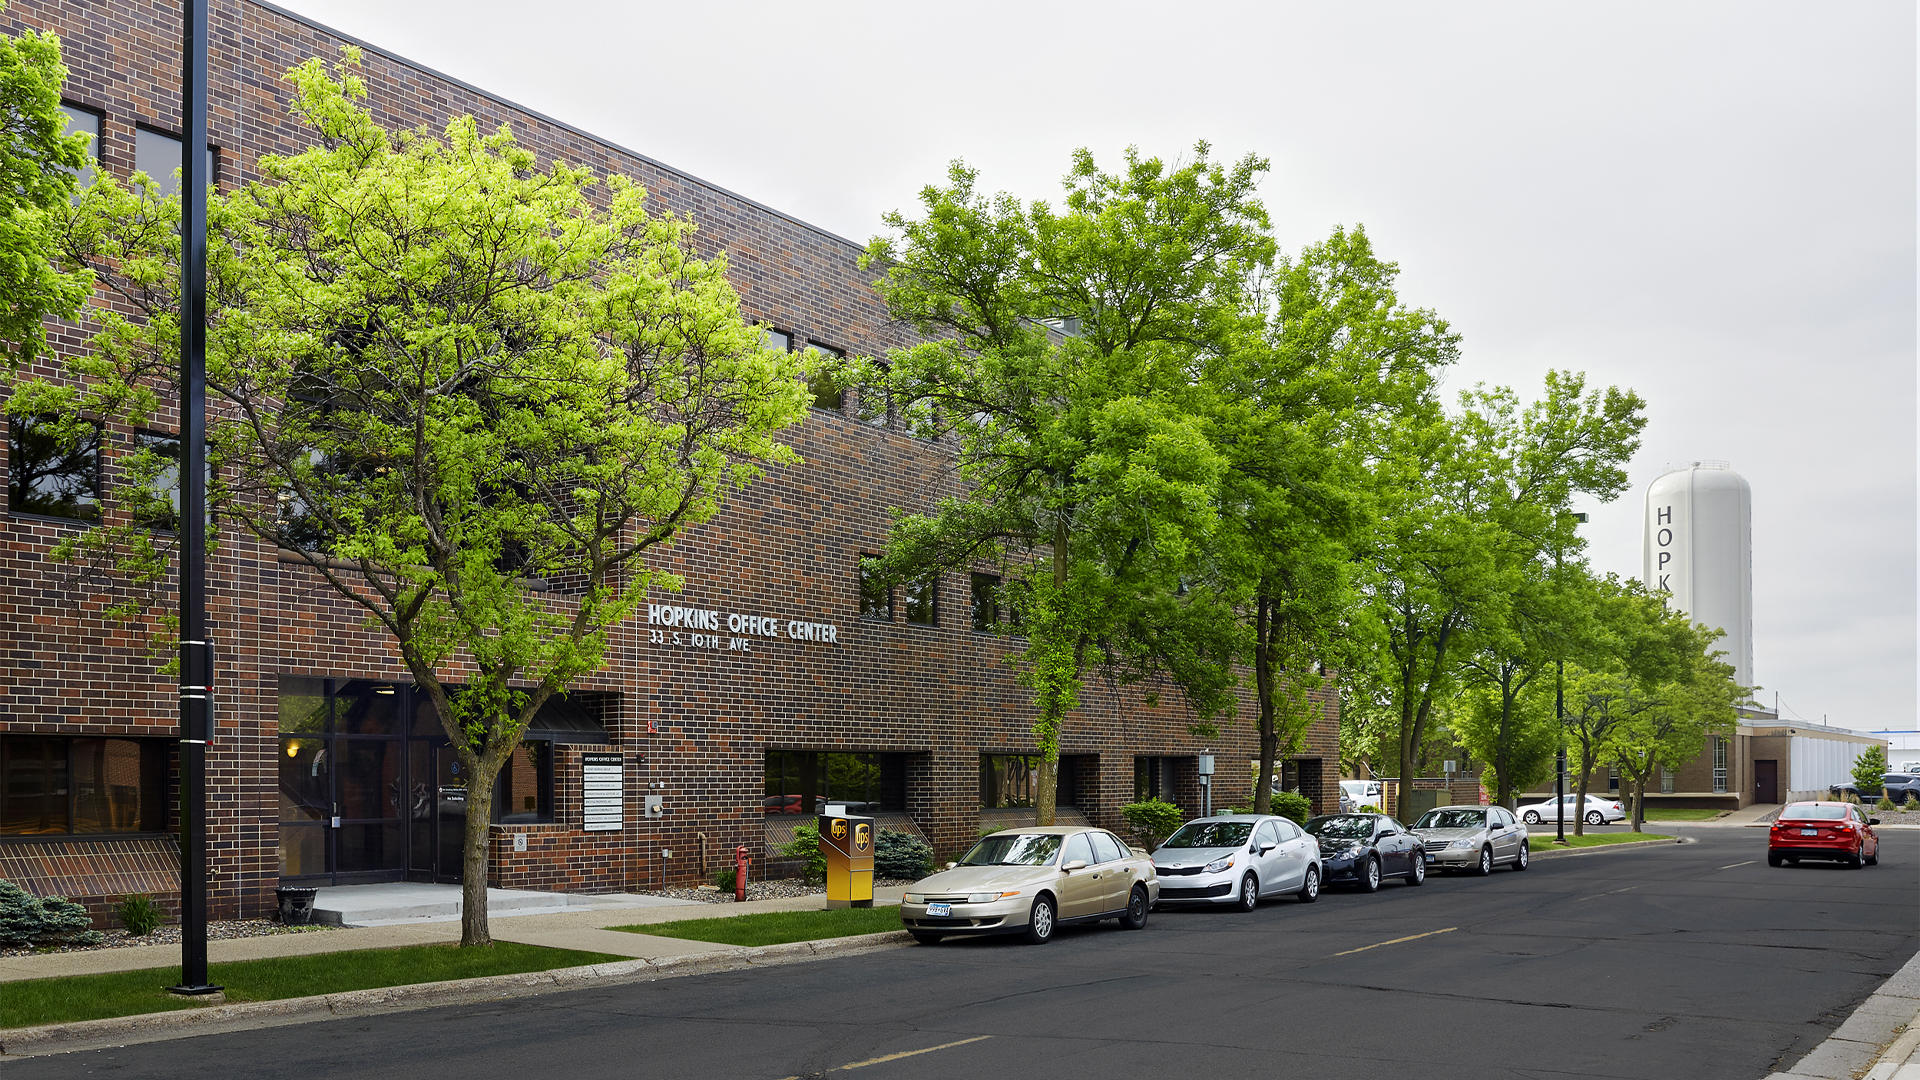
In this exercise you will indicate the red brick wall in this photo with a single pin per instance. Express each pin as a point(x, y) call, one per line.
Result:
point(694, 723)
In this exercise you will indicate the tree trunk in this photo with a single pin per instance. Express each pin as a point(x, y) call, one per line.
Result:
point(1640, 801)
point(1580, 803)
point(1502, 751)
point(473, 852)
point(1263, 687)
point(1046, 791)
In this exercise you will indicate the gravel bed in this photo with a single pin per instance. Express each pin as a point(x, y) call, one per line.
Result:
point(217, 930)
point(759, 890)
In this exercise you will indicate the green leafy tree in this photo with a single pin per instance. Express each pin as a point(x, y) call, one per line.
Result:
point(39, 164)
point(1466, 501)
point(1870, 768)
point(1295, 413)
point(469, 395)
point(1060, 358)
point(1685, 710)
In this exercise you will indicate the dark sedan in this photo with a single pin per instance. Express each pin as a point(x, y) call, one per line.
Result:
point(1361, 849)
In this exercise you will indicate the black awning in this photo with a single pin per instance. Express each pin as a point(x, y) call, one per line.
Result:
point(562, 721)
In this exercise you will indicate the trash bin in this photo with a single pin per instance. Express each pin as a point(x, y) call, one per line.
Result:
point(296, 905)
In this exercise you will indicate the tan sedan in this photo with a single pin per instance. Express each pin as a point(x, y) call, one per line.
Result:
point(1030, 882)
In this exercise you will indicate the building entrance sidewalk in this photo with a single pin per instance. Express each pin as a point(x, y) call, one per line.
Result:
point(556, 926)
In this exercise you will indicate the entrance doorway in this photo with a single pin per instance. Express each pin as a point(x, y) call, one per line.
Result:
point(1766, 781)
point(439, 813)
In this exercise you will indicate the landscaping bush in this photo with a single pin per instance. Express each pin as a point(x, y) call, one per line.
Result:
point(1368, 809)
point(1884, 803)
point(806, 845)
point(1913, 801)
point(726, 878)
point(139, 914)
point(1292, 805)
point(1153, 820)
point(901, 855)
point(26, 919)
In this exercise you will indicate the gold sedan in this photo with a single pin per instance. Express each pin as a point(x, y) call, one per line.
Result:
point(1031, 882)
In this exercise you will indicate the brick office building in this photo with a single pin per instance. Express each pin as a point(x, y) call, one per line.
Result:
point(766, 687)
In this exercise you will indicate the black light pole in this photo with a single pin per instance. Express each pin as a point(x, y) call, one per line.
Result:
point(1560, 717)
point(196, 653)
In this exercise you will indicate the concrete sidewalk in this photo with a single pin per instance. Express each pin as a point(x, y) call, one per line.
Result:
point(584, 930)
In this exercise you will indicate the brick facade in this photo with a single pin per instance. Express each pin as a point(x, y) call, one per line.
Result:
point(694, 723)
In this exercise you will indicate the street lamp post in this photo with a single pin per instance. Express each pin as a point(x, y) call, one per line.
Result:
point(1560, 718)
point(196, 652)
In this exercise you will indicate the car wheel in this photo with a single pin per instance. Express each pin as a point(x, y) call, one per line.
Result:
point(926, 939)
point(1774, 858)
point(1530, 817)
point(1310, 888)
point(1136, 916)
point(1418, 876)
point(1485, 866)
point(1520, 860)
point(1249, 893)
point(1595, 817)
point(1874, 859)
point(1040, 921)
point(1856, 861)
point(1370, 877)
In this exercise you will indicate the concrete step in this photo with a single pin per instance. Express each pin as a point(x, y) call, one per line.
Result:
point(399, 903)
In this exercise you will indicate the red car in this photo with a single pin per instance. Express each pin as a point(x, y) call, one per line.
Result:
point(1823, 830)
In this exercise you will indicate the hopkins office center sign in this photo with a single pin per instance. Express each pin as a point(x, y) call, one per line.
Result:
point(729, 631)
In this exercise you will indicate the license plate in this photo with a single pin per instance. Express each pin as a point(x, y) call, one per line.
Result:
point(939, 909)
point(1809, 832)
point(1429, 858)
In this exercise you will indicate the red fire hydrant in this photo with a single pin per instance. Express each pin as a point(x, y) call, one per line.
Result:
point(740, 874)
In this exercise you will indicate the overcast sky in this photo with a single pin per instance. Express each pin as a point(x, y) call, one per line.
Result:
point(1710, 203)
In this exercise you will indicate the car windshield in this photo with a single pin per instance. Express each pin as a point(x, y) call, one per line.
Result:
point(1344, 827)
point(1814, 812)
point(1451, 819)
point(1014, 849)
point(1211, 834)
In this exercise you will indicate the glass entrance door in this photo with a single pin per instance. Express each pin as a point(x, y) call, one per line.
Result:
point(451, 814)
point(343, 782)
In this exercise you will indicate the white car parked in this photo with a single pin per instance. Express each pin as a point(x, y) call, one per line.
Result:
point(1600, 810)
point(1238, 860)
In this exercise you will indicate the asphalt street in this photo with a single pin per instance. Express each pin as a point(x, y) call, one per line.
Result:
point(1688, 961)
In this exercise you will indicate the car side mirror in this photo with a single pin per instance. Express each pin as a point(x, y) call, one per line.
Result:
point(1264, 848)
point(951, 865)
point(1384, 833)
point(1873, 821)
point(1077, 864)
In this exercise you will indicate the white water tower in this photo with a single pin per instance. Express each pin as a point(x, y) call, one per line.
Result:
point(1699, 550)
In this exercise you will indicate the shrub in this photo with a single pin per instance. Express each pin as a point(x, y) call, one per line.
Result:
point(726, 877)
point(901, 855)
point(26, 919)
point(139, 914)
point(806, 845)
point(1913, 801)
point(1292, 805)
point(1153, 820)
point(1884, 803)
point(1368, 809)
point(1869, 768)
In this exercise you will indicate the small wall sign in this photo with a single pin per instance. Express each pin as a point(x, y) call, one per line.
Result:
point(603, 791)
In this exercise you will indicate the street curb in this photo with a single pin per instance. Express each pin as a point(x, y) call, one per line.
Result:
point(1598, 848)
point(245, 1016)
point(1880, 1036)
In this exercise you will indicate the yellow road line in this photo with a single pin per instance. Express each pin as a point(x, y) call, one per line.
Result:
point(1398, 940)
point(1749, 862)
point(912, 1053)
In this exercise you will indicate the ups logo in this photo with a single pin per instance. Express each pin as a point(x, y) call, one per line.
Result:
point(862, 836)
point(839, 828)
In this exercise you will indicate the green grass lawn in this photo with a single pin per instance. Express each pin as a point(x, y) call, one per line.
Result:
point(777, 927)
point(1539, 842)
point(128, 993)
point(1681, 813)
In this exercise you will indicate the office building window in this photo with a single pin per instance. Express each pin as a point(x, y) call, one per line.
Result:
point(159, 509)
point(805, 781)
point(52, 474)
point(86, 121)
point(875, 404)
point(776, 340)
point(1008, 780)
point(823, 381)
point(876, 599)
point(158, 155)
point(525, 788)
point(1666, 781)
point(985, 602)
point(52, 785)
point(921, 600)
point(1719, 763)
point(1613, 778)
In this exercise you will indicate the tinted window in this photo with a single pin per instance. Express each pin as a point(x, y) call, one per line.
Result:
point(84, 120)
point(1813, 812)
point(1211, 834)
point(50, 475)
point(986, 601)
point(876, 598)
point(1106, 848)
point(1451, 819)
point(826, 391)
point(1077, 850)
point(1342, 827)
point(919, 598)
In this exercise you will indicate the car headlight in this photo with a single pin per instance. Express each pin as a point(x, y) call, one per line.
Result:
point(1355, 850)
point(1464, 842)
point(913, 898)
point(989, 897)
point(1217, 865)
